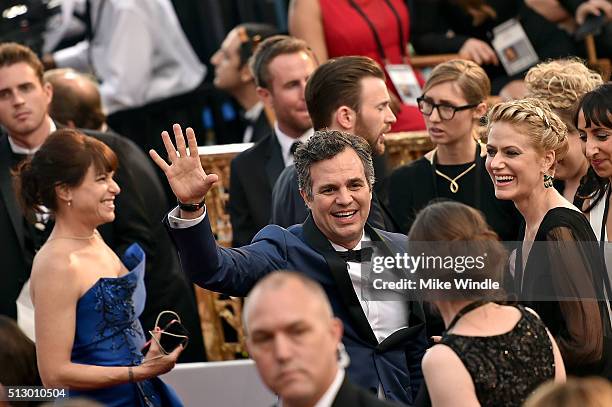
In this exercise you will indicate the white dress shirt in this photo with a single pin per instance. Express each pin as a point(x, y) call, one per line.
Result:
point(332, 391)
point(286, 142)
point(139, 52)
point(385, 317)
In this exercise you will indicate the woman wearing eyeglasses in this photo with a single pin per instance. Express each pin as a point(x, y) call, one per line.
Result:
point(453, 101)
point(86, 300)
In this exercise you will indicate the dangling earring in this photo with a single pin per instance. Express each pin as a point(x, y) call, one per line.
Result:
point(548, 181)
point(70, 202)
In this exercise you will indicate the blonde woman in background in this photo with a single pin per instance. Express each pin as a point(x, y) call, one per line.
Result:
point(561, 84)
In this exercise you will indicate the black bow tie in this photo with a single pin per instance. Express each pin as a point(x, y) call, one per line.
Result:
point(357, 256)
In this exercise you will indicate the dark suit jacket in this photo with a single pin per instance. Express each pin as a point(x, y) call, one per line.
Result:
point(395, 362)
point(288, 207)
point(253, 174)
point(350, 395)
point(261, 127)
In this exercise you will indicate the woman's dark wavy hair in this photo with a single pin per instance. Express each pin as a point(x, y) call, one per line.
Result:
point(596, 106)
point(63, 159)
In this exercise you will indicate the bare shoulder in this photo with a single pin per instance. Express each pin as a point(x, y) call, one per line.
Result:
point(448, 381)
point(53, 262)
point(440, 355)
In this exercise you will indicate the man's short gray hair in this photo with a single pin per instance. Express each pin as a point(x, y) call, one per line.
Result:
point(324, 145)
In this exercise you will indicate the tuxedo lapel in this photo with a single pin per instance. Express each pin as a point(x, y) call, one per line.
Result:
point(8, 193)
point(339, 272)
point(274, 160)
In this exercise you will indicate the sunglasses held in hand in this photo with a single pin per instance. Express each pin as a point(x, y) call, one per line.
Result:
point(171, 335)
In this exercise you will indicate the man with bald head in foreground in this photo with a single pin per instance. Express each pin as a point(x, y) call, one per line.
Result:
point(296, 343)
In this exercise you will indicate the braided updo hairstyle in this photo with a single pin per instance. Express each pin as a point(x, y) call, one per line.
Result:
point(561, 83)
point(545, 130)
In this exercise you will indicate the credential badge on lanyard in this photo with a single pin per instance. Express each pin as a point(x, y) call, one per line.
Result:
point(405, 82)
point(513, 47)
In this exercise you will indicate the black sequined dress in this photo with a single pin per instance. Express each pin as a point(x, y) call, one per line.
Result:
point(506, 368)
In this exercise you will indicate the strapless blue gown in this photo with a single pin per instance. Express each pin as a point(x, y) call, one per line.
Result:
point(108, 333)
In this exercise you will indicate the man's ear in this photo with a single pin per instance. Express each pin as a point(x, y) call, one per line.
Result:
point(245, 74)
point(265, 95)
point(305, 198)
point(337, 328)
point(48, 90)
point(346, 118)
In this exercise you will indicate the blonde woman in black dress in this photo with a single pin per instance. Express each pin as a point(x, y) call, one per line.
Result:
point(558, 269)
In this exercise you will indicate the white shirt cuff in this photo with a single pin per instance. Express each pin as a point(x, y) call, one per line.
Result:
point(176, 222)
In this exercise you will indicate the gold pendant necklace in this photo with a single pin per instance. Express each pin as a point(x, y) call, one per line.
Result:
point(454, 186)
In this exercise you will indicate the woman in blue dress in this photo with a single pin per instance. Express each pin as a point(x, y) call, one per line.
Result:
point(87, 301)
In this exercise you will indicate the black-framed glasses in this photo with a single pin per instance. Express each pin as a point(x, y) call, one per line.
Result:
point(446, 112)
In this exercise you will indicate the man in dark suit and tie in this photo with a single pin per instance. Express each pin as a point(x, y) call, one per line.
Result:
point(385, 339)
point(295, 341)
point(233, 75)
point(347, 94)
point(281, 66)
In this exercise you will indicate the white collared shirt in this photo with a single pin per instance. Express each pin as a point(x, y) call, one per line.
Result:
point(139, 53)
point(251, 115)
point(285, 142)
point(17, 149)
point(385, 317)
point(330, 394)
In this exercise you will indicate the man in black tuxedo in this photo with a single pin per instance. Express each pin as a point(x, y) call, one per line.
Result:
point(232, 75)
point(346, 94)
point(76, 103)
point(281, 66)
point(295, 340)
point(24, 102)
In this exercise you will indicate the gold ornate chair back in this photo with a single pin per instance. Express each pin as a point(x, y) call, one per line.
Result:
point(216, 310)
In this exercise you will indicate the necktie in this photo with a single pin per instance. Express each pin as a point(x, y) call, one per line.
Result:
point(357, 256)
